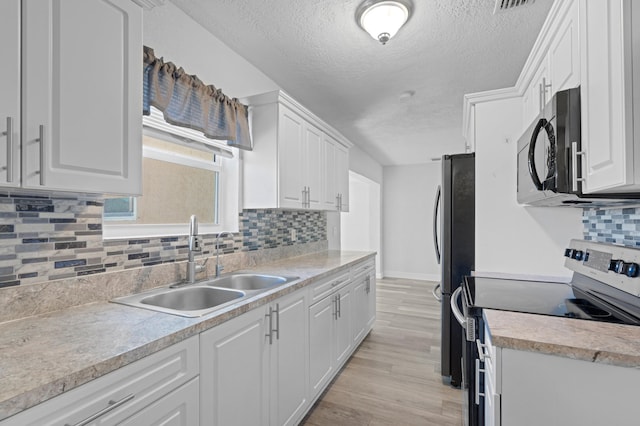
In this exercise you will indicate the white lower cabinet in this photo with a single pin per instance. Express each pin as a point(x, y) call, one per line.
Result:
point(254, 367)
point(129, 394)
point(330, 341)
point(364, 302)
point(289, 360)
point(530, 389)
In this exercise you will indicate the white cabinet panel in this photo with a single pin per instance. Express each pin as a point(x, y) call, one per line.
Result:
point(609, 37)
point(234, 372)
point(342, 177)
point(10, 90)
point(289, 361)
point(321, 332)
point(179, 408)
point(330, 191)
point(82, 95)
point(564, 52)
point(313, 165)
point(291, 155)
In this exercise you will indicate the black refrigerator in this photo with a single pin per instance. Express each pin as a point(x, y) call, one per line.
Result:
point(454, 240)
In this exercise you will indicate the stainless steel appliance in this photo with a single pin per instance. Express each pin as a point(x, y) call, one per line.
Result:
point(455, 251)
point(549, 168)
point(605, 287)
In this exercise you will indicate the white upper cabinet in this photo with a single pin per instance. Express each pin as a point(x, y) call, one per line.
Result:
point(610, 81)
point(295, 161)
point(10, 90)
point(81, 102)
point(557, 54)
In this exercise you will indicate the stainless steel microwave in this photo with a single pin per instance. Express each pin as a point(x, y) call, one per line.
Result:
point(549, 172)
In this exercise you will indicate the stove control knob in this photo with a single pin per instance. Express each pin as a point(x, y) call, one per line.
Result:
point(632, 270)
point(567, 252)
point(577, 254)
point(616, 265)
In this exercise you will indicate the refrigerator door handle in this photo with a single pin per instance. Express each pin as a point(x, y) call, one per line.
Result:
point(436, 204)
point(436, 293)
point(454, 307)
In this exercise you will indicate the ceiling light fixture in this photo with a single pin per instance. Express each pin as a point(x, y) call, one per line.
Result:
point(383, 18)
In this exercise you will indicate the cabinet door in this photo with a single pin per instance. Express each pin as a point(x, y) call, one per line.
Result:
point(179, 408)
point(371, 300)
point(313, 165)
point(329, 199)
point(342, 176)
point(234, 372)
point(564, 52)
point(291, 157)
point(321, 344)
point(82, 95)
point(343, 340)
point(10, 89)
point(359, 308)
point(289, 361)
point(607, 97)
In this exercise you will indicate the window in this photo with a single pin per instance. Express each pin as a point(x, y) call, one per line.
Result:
point(179, 179)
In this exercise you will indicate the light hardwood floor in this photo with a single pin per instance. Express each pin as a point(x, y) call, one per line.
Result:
point(394, 377)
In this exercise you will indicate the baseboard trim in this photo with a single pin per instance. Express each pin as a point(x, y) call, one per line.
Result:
point(412, 276)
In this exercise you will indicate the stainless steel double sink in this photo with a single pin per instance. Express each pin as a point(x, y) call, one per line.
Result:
point(203, 297)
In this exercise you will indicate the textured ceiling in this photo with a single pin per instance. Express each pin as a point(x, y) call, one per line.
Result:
point(317, 53)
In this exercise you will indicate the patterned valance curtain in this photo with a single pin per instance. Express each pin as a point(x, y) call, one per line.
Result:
point(187, 102)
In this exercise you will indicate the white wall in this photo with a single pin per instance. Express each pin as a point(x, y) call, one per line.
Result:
point(363, 164)
point(361, 226)
point(511, 238)
point(179, 39)
point(407, 242)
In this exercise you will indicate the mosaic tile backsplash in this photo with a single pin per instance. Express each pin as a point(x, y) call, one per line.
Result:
point(43, 239)
point(614, 226)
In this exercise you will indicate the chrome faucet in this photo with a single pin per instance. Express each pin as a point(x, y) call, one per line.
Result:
point(219, 267)
point(195, 245)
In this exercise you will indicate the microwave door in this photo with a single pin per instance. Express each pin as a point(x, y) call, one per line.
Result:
point(541, 157)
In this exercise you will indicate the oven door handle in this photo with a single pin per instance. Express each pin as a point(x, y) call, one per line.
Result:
point(454, 307)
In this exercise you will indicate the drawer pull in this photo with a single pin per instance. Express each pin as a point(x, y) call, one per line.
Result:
point(112, 406)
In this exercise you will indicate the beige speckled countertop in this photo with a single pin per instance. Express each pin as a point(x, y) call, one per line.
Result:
point(592, 341)
point(45, 355)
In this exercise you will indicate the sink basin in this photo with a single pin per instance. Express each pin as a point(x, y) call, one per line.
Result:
point(249, 281)
point(192, 298)
point(189, 302)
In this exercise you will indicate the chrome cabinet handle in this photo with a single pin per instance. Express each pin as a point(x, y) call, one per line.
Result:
point(338, 202)
point(478, 371)
point(574, 166)
point(42, 151)
point(112, 406)
point(339, 306)
point(270, 333)
point(334, 301)
point(435, 293)
point(276, 311)
point(454, 307)
point(9, 134)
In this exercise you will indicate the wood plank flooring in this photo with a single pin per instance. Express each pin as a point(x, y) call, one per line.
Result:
point(394, 377)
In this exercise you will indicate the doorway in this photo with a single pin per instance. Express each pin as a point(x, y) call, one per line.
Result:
point(360, 227)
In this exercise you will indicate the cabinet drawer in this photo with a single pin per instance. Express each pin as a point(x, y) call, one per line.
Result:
point(128, 390)
point(362, 268)
point(322, 289)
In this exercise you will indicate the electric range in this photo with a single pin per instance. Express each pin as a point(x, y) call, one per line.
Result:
point(605, 287)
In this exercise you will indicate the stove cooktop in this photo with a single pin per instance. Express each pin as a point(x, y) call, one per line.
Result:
point(539, 297)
